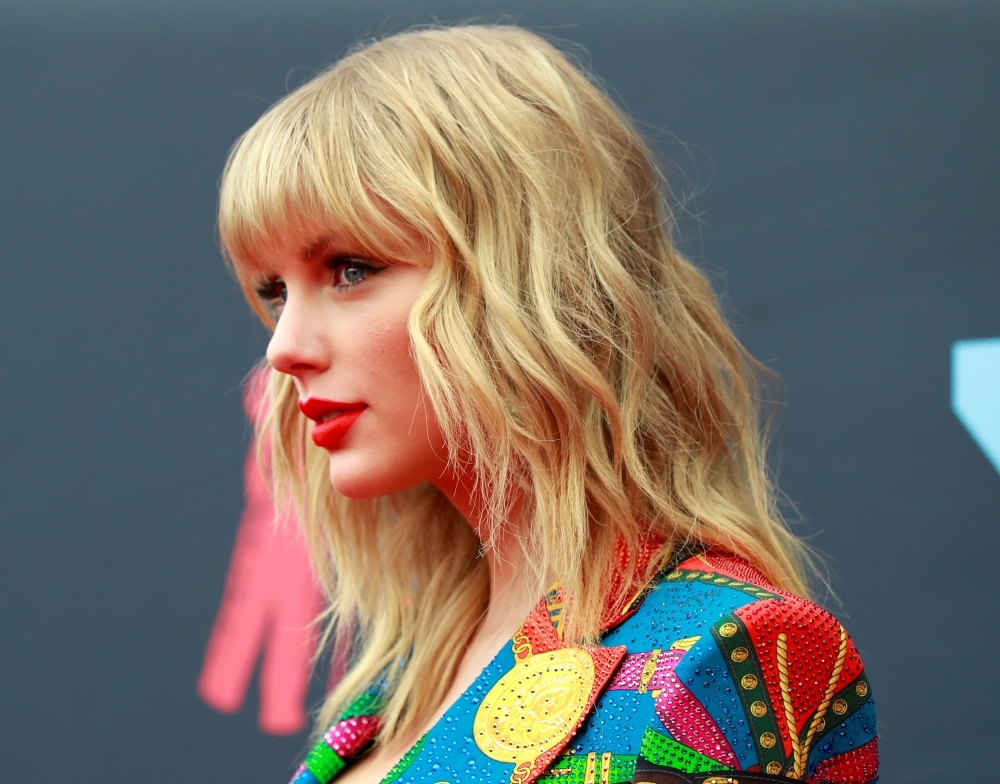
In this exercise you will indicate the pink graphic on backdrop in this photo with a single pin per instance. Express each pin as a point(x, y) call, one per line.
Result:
point(270, 600)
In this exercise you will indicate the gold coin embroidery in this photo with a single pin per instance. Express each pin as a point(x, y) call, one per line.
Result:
point(840, 707)
point(861, 688)
point(740, 655)
point(774, 768)
point(727, 629)
point(758, 709)
point(767, 740)
point(534, 705)
point(749, 681)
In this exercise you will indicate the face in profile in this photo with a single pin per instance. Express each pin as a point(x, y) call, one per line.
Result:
point(342, 335)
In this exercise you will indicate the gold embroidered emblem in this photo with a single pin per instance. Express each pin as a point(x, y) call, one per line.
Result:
point(684, 645)
point(767, 740)
point(728, 629)
point(534, 705)
point(648, 671)
point(740, 655)
point(861, 688)
point(758, 709)
point(774, 768)
point(840, 707)
point(749, 681)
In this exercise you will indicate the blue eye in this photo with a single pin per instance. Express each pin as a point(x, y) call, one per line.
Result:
point(353, 274)
point(349, 272)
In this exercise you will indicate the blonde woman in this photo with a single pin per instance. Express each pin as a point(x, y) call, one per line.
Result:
point(524, 446)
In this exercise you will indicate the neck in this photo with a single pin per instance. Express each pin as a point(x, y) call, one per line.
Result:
point(511, 590)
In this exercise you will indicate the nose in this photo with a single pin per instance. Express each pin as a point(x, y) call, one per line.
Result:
point(297, 346)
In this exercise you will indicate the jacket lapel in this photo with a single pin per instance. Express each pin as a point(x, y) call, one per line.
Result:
point(531, 713)
point(542, 635)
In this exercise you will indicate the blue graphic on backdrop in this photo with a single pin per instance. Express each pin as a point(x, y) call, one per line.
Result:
point(975, 392)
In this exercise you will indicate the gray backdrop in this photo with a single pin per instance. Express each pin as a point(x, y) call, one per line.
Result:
point(843, 162)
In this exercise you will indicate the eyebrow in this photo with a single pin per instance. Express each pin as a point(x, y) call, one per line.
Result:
point(315, 247)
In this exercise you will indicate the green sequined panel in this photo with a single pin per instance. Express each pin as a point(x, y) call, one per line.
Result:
point(403, 765)
point(362, 705)
point(661, 750)
point(573, 768)
point(324, 762)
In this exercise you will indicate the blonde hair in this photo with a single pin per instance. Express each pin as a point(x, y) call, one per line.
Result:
point(567, 347)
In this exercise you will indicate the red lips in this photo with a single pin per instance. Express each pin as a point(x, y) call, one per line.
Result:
point(329, 433)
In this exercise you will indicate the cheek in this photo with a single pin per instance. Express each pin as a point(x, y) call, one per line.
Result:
point(386, 352)
point(402, 444)
point(391, 377)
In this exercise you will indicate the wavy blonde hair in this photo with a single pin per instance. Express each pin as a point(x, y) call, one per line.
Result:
point(566, 346)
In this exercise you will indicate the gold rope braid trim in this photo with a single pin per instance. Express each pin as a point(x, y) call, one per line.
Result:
point(831, 688)
point(786, 699)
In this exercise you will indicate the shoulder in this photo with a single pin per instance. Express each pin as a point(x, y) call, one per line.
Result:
point(750, 676)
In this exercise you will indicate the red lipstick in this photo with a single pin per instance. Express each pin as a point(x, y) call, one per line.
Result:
point(333, 419)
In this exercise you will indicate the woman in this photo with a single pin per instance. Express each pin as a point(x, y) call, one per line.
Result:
point(524, 404)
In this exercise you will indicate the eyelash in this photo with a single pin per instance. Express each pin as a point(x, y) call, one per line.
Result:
point(343, 262)
point(272, 291)
point(269, 293)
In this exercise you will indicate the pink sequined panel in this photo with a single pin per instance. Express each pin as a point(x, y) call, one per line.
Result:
point(347, 736)
point(629, 675)
point(688, 722)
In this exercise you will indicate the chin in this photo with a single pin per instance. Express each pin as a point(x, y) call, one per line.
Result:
point(355, 485)
point(362, 479)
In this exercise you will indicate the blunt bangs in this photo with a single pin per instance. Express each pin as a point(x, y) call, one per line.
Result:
point(307, 163)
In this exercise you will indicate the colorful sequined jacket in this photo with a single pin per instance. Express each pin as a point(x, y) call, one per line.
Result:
point(710, 675)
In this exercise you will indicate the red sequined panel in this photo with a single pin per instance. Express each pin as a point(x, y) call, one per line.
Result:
point(620, 608)
point(858, 766)
point(730, 566)
point(537, 634)
point(803, 655)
